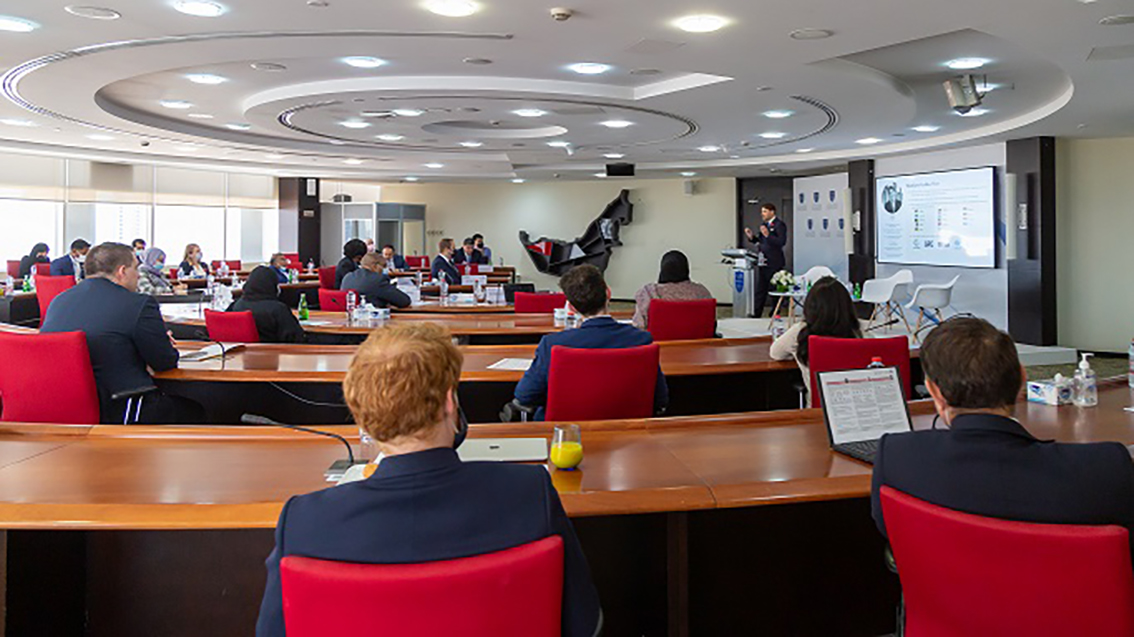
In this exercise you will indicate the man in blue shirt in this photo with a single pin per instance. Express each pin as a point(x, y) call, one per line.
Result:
point(71, 264)
point(589, 296)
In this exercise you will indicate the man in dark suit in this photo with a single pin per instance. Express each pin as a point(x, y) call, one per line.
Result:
point(443, 263)
point(125, 335)
point(353, 251)
point(374, 285)
point(985, 462)
point(71, 264)
point(770, 242)
point(393, 259)
point(589, 296)
point(469, 254)
point(422, 504)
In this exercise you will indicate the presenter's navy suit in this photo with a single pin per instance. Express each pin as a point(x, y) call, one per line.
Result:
point(772, 247)
point(429, 506)
point(441, 264)
point(600, 332)
point(63, 266)
point(990, 465)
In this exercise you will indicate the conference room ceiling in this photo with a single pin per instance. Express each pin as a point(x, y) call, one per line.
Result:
point(264, 87)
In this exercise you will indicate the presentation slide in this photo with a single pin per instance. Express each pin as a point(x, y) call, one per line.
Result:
point(945, 218)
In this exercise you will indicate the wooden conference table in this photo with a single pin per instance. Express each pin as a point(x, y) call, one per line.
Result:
point(736, 524)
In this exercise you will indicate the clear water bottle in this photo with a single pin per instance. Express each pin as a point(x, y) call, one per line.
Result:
point(10, 287)
point(351, 302)
point(778, 326)
point(444, 284)
point(1086, 384)
point(311, 265)
point(367, 449)
point(1130, 376)
point(876, 363)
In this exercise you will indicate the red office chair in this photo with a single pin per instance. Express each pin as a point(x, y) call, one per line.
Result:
point(411, 261)
point(332, 300)
point(327, 278)
point(517, 591)
point(173, 273)
point(232, 327)
point(601, 384)
point(14, 269)
point(42, 269)
point(49, 287)
point(233, 265)
point(47, 378)
point(538, 303)
point(826, 354)
point(682, 320)
point(964, 574)
point(293, 260)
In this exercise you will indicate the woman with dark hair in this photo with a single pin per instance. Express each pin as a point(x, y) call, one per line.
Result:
point(274, 320)
point(38, 254)
point(673, 285)
point(828, 311)
point(353, 251)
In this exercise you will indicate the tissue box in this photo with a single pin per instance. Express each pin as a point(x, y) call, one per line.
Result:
point(1049, 393)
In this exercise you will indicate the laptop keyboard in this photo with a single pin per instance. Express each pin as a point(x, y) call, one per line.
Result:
point(863, 450)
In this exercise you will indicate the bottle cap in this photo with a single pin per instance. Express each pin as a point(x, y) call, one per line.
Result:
point(1084, 364)
point(875, 359)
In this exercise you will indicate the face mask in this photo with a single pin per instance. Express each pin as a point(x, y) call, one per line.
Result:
point(139, 252)
point(82, 258)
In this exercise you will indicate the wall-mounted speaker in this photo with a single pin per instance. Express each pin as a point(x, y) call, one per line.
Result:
point(620, 170)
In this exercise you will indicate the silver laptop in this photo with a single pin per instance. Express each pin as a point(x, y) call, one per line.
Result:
point(860, 406)
point(503, 449)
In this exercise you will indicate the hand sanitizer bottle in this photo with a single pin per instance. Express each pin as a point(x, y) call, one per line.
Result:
point(1086, 384)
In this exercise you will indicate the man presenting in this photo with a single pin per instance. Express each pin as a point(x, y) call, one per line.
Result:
point(769, 242)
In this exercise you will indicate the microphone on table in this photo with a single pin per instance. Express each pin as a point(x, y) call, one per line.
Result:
point(253, 419)
point(881, 325)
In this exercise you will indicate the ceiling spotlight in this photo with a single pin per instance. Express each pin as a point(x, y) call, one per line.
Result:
point(336, 142)
point(617, 123)
point(408, 112)
point(867, 141)
point(273, 157)
point(688, 173)
point(434, 165)
point(410, 179)
point(965, 64)
point(710, 149)
point(199, 8)
point(559, 144)
point(268, 67)
point(811, 34)
point(176, 104)
point(24, 123)
point(206, 78)
point(614, 155)
point(925, 128)
point(589, 68)
point(17, 25)
point(452, 8)
point(390, 137)
point(773, 135)
point(976, 112)
point(518, 181)
point(353, 162)
point(700, 23)
point(472, 144)
point(354, 123)
point(529, 112)
point(94, 13)
point(778, 114)
point(199, 116)
point(364, 62)
point(804, 150)
point(236, 126)
point(100, 138)
point(601, 175)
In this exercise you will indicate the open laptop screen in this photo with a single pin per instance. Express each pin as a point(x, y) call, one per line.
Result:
point(863, 404)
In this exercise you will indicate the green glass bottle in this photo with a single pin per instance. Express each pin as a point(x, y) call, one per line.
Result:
point(304, 313)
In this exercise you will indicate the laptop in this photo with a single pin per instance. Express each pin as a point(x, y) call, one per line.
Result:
point(503, 449)
point(859, 406)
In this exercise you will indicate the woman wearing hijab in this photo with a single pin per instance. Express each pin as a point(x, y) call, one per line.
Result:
point(38, 254)
point(274, 320)
point(152, 279)
point(673, 285)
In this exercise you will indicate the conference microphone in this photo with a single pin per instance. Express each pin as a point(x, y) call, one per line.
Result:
point(337, 467)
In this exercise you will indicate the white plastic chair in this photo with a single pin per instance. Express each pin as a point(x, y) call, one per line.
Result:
point(816, 273)
point(883, 292)
point(929, 299)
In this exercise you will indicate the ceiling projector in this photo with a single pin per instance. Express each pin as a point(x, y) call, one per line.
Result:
point(962, 93)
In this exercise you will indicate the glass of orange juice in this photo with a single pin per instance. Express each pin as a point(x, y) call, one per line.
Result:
point(566, 447)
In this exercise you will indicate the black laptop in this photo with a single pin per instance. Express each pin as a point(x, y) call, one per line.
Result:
point(859, 406)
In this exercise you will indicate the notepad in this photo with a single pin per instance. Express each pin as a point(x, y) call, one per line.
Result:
point(512, 364)
point(212, 350)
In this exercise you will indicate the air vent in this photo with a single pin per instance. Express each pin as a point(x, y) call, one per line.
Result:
point(655, 47)
point(579, 110)
point(1103, 53)
point(1117, 20)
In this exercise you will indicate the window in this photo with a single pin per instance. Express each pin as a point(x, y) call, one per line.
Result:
point(26, 223)
point(177, 226)
point(253, 234)
point(120, 223)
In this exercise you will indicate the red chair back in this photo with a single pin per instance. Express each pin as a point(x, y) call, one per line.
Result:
point(964, 574)
point(293, 260)
point(411, 261)
point(602, 384)
point(49, 287)
point(14, 269)
point(327, 278)
point(332, 300)
point(47, 378)
point(231, 327)
point(826, 354)
point(530, 303)
point(233, 265)
point(682, 320)
point(42, 269)
point(173, 273)
point(517, 591)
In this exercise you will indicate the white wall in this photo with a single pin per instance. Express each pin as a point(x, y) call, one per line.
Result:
point(982, 292)
point(1094, 226)
point(665, 218)
point(812, 243)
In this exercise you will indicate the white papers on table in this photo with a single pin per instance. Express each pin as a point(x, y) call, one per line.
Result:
point(314, 323)
point(211, 350)
point(512, 364)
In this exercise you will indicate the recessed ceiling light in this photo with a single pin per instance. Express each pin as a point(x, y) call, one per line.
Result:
point(778, 114)
point(353, 162)
point(601, 175)
point(589, 68)
point(199, 116)
point(188, 148)
point(811, 34)
point(452, 8)
point(238, 126)
point(268, 67)
point(965, 64)
point(988, 87)
point(925, 128)
point(199, 8)
point(16, 25)
point(434, 165)
point(688, 173)
point(364, 62)
point(867, 141)
point(273, 157)
point(529, 112)
point(94, 13)
point(390, 137)
point(614, 155)
point(206, 78)
point(700, 23)
point(408, 112)
point(354, 123)
point(976, 112)
point(773, 135)
point(472, 144)
point(559, 144)
point(410, 179)
point(100, 138)
point(24, 123)
point(617, 123)
point(710, 149)
point(176, 104)
point(518, 181)
point(804, 150)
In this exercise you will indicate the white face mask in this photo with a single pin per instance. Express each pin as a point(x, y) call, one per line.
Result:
point(82, 258)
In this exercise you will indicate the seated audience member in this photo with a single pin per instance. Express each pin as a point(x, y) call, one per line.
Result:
point(279, 265)
point(353, 251)
point(125, 334)
point(673, 285)
point(374, 285)
point(152, 279)
point(274, 320)
point(469, 254)
point(71, 264)
point(370, 245)
point(827, 311)
point(478, 241)
point(589, 296)
point(393, 259)
point(423, 504)
point(193, 265)
point(983, 461)
point(38, 254)
point(443, 263)
point(139, 246)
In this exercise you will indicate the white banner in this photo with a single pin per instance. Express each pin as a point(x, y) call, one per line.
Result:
point(819, 227)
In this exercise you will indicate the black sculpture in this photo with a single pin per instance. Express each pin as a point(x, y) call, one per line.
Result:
point(556, 257)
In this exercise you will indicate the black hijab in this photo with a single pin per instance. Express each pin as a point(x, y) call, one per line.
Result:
point(262, 285)
point(39, 247)
point(674, 267)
